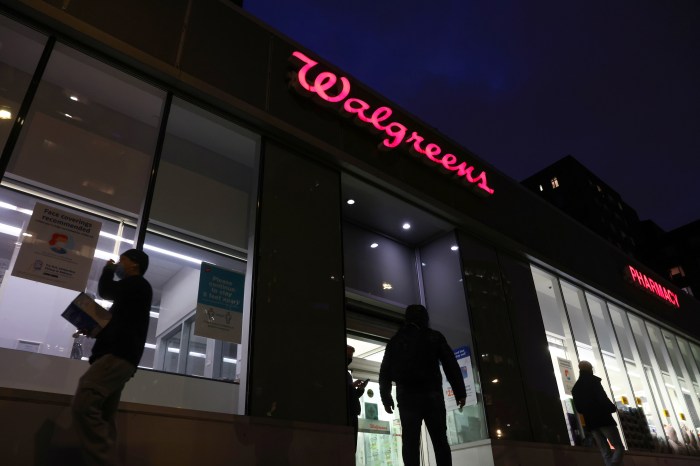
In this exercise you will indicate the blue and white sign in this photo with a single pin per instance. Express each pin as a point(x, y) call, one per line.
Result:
point(219, 303)
point(464, 359)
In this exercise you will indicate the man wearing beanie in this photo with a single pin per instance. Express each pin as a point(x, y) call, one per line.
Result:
point(412, 359)
point(115, 356)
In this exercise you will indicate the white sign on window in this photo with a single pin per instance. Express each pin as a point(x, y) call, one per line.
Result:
point(57, 248)
point(567, 374)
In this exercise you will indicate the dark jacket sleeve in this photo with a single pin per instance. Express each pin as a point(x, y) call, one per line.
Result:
point(385, 372)
point(451, 369)
point(107, 287)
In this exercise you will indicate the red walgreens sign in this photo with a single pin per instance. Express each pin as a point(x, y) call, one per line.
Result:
point(336, 91)
point(639, 279)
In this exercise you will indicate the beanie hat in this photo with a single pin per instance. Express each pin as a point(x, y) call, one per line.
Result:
point(417, 314)
point(139, 257)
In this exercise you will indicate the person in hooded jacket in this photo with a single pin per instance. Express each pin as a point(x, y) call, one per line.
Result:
point(591, 401)
point(412, 360)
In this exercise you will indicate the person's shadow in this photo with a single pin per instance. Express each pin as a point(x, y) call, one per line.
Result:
point(56, 443)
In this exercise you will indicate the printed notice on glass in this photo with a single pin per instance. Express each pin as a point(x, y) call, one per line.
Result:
point(57, 248)
point(566, 369)
point(219, 304)
point(464, 359)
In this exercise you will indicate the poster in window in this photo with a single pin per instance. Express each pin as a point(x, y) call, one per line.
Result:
point(464, 359)
point(566, 369)
point(219, 304)
point(57, 248)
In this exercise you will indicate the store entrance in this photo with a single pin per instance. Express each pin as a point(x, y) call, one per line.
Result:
point(379, 433)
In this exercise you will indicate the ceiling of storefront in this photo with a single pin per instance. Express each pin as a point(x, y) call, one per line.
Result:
point(384, 213)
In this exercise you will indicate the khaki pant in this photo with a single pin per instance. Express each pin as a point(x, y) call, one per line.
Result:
point(95, 407)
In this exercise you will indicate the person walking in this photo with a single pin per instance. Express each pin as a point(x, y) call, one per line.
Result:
point(412, 359)
point(596, 408)
point(115, 356)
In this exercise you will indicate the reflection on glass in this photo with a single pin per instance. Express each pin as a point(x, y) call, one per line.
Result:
point(90, 133)
point(18, 59)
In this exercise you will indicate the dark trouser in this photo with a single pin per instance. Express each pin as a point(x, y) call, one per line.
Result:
point(601, 436)
point(95, 407)
point(414, 409)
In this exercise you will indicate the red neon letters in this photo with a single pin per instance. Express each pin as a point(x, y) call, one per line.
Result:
point(334, 90)
point(645, 282)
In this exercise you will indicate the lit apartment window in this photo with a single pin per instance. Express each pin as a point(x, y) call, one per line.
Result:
point(677, 272)
point(555, 182)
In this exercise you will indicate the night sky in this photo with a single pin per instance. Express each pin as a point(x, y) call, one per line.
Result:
point(522, 83)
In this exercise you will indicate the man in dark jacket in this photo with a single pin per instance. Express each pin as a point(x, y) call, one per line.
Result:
point(591, 401)
point(115, 356)
point(412, 359)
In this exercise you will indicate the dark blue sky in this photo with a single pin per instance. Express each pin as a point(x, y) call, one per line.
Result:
point(522, 83)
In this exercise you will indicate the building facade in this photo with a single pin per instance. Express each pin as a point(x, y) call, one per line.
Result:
point(194, 132)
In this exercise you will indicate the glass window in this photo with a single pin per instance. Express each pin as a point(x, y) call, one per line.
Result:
point(207, 180)
point(46, 332)
point(653, 374)
point(174, 274)
point(20, 50)
point(562, 347)
point(684, 391)
point(202, 211)
point(640, 417)
point(377, 267)
point(90, 133)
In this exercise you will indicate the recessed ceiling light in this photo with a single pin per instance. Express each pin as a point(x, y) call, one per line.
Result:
point(386, 286)
point(350, 201)
point(373, 245)
point(406, 226)
point(5, 115)
point(74, 98)
point(454, 247)
point(67, 115)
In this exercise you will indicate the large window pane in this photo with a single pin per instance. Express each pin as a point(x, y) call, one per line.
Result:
point(683, 389)
point(30, 311)
point(641, 417)
point(207, 180)
point(174, 273)
point(20, 49)
point(90, 133)
point(202, 210)
point(562, 347)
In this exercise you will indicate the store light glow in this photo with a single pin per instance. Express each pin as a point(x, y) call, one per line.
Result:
point(5, 115)
point(495, 381)
point(374, 245)
point(386, 286)
point(67, 115)
point(74, 98)
point(230, 360)
point(454, 247)
point(150, 346)
point(172, 254)
point(406, 226)
point(333, 89)
point(350, 201)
